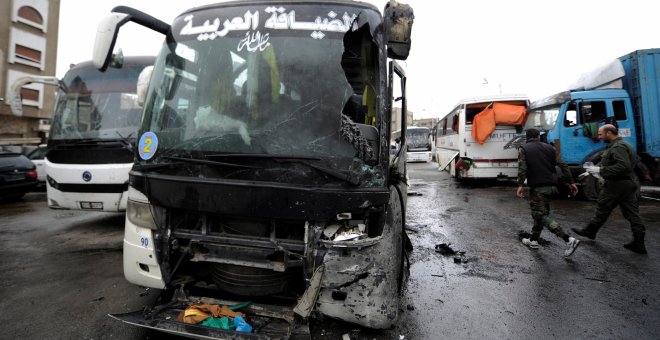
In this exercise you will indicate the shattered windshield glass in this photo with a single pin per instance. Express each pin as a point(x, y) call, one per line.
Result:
point(266, 81)
point(543, 118)
point(97, 105)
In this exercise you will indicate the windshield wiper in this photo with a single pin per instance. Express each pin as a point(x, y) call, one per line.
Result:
point(186, 161)
point(261, 155)
point(82, 142)
point(206, 161)
point(332, 172)
point(126, 140)
point(154, 166)
point(296, 159)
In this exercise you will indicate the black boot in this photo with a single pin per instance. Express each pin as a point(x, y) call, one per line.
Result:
point(585, 232)
point(637, 244)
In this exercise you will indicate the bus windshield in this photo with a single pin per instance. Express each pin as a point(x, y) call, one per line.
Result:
point(543, 118)
point(98, 105)
point(418, 138)
point(281, 93)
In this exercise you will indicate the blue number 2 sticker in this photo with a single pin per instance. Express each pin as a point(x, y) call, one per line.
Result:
point(144, 242)
point(147, 145)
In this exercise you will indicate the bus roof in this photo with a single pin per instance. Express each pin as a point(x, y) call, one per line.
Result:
point(412, 127)
point(493, 98)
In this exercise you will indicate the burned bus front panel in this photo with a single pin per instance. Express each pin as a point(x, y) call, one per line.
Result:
point(362, 278)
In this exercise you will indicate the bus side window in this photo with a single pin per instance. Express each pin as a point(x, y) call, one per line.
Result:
point(454, 124)
point(444, 127)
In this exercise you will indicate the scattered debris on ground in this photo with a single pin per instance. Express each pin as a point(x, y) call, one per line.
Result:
point(460, 258)
point(447, 250)
point(444, 249)
point(353, 335)
point(415, 228)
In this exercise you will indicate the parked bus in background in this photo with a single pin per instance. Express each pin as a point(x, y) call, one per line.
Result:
point(92, 136)
point(470, 139)
point(419, 142)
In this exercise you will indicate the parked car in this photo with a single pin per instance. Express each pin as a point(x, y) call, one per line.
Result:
point(37, 157)
point(18, 175)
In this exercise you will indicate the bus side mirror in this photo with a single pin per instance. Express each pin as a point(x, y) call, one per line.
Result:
point(106, 36)
point(143, 84)
point(14, 96)
point(398, 21)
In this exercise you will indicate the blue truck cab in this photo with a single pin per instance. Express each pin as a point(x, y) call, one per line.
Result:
point(625, 93)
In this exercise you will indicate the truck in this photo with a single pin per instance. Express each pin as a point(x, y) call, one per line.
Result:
point(470, 138)
point(624, 92)
point(263, 180)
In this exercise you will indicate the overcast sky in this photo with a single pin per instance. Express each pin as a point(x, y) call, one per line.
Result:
point(459, 48)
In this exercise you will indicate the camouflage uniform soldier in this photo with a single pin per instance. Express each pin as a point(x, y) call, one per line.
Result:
point(621, 188)
point(536, 163)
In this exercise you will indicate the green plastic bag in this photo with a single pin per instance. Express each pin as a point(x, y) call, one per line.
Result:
point(222, 323)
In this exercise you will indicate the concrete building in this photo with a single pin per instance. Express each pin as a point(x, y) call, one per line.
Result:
point(28, 46)
point(396, 118)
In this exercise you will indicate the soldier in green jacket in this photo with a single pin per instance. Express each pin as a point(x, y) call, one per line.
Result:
point(621, 188)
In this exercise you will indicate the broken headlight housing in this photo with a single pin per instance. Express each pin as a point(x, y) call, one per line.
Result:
point(140, 215)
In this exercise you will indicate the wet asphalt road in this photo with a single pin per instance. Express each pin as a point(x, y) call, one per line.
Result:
point(62, 272)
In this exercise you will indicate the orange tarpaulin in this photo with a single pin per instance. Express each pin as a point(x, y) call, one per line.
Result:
point(483, 125)
point(509, 114)
point(485, 121)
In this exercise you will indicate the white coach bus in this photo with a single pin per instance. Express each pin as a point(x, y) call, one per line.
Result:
point(419, 141)
point(92, 137)
point(495, 120)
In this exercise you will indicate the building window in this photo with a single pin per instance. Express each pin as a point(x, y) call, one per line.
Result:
point(27, 53)
point(31, 12)
point(31, 94)
point(27, 48)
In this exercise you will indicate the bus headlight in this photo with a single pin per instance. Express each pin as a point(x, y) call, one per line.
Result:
point(140, 214)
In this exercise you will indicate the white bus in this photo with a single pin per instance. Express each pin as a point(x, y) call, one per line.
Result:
point(495, 120)
point(92, 136)
point(419, 141)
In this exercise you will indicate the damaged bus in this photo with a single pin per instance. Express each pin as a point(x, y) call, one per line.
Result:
point(471, 138)
point(263, 171)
